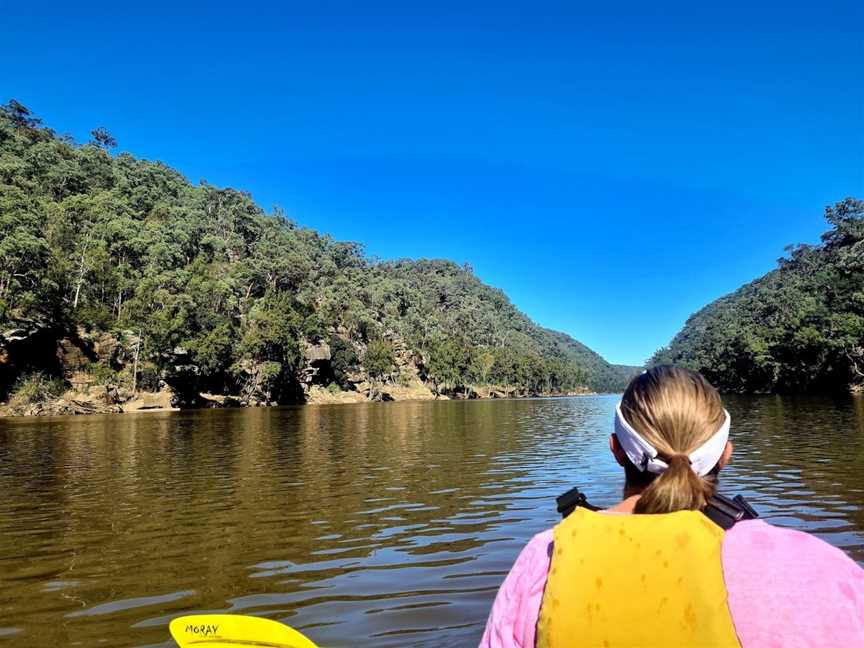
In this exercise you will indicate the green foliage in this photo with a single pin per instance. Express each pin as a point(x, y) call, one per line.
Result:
point(480, 367)
point(35, 388)
point(343, 360)
point(19, 115)
point(449, 359)
point(227, 294)
point(379, 359)
point(799, 328)
point(271, 333)
point(102, 374)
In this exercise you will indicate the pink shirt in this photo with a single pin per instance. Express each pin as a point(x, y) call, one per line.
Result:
point(786, 589)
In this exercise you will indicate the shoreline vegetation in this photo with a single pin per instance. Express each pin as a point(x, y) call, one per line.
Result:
point(797, 329)
point(107, 401)
point(86, 387)
point(125, 286)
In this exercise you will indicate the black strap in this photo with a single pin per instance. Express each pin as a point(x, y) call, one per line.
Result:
point(724, 512)
point(571, 499)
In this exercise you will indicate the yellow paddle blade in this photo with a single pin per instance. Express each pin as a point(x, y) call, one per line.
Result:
point(234, 631)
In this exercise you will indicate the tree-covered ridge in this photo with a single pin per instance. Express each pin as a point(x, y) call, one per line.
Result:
point(799, 328)
point(213, 289)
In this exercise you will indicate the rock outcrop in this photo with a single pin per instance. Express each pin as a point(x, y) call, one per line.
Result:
point(219, 400)
point(317, 395)
point(317, 368)
point(163, 400)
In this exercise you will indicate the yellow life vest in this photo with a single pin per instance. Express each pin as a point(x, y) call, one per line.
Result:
point(636, 581)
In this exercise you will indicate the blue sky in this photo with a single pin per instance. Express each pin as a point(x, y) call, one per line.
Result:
point(613, 170)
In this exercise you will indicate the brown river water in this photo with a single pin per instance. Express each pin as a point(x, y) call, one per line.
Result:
point(386, 524)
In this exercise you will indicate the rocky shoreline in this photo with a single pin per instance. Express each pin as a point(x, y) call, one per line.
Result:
point(94, 402)
point(99, 373)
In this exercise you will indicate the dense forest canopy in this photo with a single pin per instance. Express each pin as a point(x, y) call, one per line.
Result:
point(211, 286)
point(799, 328)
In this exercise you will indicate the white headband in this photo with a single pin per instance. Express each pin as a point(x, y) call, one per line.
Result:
point(644, 456)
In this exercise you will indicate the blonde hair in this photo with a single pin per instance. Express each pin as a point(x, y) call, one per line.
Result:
point(676, 410)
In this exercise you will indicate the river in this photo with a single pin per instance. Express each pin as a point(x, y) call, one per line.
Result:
point(387, 524)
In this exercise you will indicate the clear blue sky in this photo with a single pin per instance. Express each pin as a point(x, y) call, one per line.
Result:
point(613, 170)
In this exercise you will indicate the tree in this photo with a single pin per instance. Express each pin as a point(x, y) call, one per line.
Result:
point(379, 359)
point(448, 362)
point(20, 115)
point(343, 360)
point(103, 139)
point(482, 361)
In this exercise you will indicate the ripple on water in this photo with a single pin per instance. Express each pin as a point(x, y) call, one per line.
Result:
point(386, 525)
point(129, 604)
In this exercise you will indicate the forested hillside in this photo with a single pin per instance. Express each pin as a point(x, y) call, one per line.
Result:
point(799, 328)
point(203, 288)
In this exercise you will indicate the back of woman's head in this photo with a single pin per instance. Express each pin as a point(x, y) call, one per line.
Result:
point(676, 410)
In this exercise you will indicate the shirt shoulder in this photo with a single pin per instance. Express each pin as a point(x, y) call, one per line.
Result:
point(789, 588)
point(512, 620)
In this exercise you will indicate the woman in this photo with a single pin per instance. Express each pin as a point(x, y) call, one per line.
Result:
point(675, 578)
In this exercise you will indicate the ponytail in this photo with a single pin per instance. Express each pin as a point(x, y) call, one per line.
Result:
point(676, 411)
point(678, 488)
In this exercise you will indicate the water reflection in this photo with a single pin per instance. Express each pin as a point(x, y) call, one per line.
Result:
point(379, 524)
